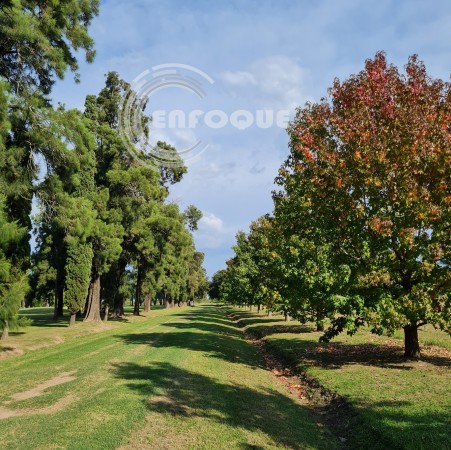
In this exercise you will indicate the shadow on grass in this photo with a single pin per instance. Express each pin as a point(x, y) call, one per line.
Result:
point(244, 322)
point(42, 317)
point(208, 318)
point(6, 349)
point(169, 389)
point(227, 344)
point(334, 355)
point(261, 331)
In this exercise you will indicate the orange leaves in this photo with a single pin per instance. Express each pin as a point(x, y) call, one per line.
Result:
point(309, 156)
point(380, 226)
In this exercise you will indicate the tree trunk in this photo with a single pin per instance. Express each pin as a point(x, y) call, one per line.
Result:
point(88, 300)
point(146, 303)
point(269, 313)
point(105, 315)
point(411, 344)
point(59, 298)
point(319, 320)
point(58, 256)
point(93, 313)
point(5, 332)
point(73, 316)
point(136, 306)
point(138, 294)
point(118, 306)
point(118, 299)
point(258, 308)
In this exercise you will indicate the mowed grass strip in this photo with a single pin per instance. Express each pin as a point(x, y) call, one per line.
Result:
point(394, 403)
point(180, 379)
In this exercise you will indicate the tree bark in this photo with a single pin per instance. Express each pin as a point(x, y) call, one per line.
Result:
point(146, 303)
point(105, 314)
point(5, 332)
point(58, 258)
point(59, 297)
point(258, 308)
point(88, 300)
point(319, 320)
point(73, 316)
point(411, 344)
point(139, 281)
point(93, 312)
point(118, 299)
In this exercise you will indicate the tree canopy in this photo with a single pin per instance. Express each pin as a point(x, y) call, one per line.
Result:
point(361, 225)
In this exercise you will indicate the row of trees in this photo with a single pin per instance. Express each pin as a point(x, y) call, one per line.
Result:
point(102, 216)
point(361, 228)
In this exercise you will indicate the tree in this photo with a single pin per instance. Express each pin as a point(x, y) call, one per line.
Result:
point(216, 283)
point(196, 279)
point(12, 281)
point(38, 40)
point(376, 159)
point(66, 198)
point(14, 247)
point(135, 194)
point(106, 239)
point(191, 217)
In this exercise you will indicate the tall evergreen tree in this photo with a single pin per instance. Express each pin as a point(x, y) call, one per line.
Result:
point(39, 39)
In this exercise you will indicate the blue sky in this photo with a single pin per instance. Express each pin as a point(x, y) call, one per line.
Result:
point(263, 54)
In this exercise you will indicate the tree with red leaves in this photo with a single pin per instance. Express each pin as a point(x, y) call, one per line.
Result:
point(373, 163)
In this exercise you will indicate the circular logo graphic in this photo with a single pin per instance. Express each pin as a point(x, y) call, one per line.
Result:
point(134, 124)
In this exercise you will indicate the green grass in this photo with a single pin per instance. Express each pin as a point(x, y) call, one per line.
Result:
point(182, 378)
point(393, 403)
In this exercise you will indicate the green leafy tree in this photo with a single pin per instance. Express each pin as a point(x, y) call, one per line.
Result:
point(215, 284)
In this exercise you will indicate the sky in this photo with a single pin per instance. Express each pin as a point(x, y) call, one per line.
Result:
point(246, 56)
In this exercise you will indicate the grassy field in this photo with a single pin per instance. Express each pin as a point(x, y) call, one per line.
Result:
point(392, 403)
point(181, 378)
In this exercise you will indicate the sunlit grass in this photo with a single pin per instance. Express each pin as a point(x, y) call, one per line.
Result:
point(179, 378)
point(400, 404)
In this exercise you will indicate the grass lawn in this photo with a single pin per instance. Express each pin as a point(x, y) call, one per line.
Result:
point(393, 403)
point(182, 378)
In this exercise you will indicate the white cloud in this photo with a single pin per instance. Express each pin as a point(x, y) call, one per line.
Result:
point(211, 222)
point(238, 78)
point(275, 81)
